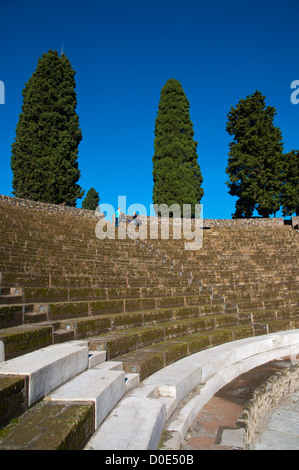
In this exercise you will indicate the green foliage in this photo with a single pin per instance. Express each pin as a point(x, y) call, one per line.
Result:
point(290, 186)
point(176, 172)
point(44, 153)
point(91, 200)
point(255, 164)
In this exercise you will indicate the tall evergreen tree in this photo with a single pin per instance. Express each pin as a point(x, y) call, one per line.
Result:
point(44, 153)
point(290, 186)
point(255, 157)
point(91, 200)
point(176, 172)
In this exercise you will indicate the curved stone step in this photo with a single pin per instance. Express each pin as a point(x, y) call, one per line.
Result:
point(157, 401)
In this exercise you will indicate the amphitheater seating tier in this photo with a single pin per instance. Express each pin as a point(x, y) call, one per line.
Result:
point(146, 303)
point(152, 297)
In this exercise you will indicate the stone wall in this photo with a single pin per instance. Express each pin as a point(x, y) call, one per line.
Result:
point(51, 208)
point(266, 397)
point(61, 209)
point(295, 222)
point(253, 222)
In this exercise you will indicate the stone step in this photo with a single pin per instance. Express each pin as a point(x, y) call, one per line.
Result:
point(48, 281)
point(13, 397)
point(19, 220)
point(255, 316)
point(63, 335)
point(50, 426)
point(109, 293)
point(71, 413)
point(16, 340)
point(146, 361)
point(160, 266)
point(105, 324)
point(36, 294)
point(36, 251)
point(102, 387)
point(126, 251)
point(206, 303)
point(20, 340)
point(131, 410)
point(10, 299)
point(11, 315)
point(123, 341)
point(48, 367)
point(176, 394)
point(35, 317)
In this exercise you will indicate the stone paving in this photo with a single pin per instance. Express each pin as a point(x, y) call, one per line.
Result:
point(281, 429)
point(215, 428)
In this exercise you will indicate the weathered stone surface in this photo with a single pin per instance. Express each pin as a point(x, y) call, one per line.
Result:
point(23, 339)
point(102, 387)
point(143, 362)
point(150, 416)
point(266, 397)
point(50, 208)
point(10, 316)
point(50, 426)
point(150, 302)
point(2, 354)
point(13, 398)
point(48, 367)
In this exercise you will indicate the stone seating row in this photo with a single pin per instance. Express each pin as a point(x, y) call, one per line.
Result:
point(61, 310)
point(167, 402)
point(139, 278)
point(248, 291)
point(60, 376)
point(89, 397)
point(208, 250)
point(92, 317)
point(137, 269)
point(261, 257)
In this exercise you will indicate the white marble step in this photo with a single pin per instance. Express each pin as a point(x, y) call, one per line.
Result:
point(49, 367)
point(103, 387)
point(135, 423)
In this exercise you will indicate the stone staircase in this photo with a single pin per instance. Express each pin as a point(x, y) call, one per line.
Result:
point(144, 304)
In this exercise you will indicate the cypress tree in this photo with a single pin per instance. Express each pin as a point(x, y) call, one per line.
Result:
point(255, 157)
point(91, 200)
point(176, 172)
point(44, 153)
point(290, 186)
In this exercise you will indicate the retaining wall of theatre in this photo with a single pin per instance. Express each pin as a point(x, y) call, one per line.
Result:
point(266, 397)
point(56, 208)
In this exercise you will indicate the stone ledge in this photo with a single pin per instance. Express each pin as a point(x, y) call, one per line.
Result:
point(50, 426)
point(51, 208)
point(209, 370)
point(13, 398)
point(48, 367)
point(266, 397)
point(104, 388)
point(95, 215)
point(237, 223)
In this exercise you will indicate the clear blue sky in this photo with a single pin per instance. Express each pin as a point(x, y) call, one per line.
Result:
point(124, 52)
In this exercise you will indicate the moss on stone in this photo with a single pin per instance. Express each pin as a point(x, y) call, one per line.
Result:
point(144, 362)
point(50, 426)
